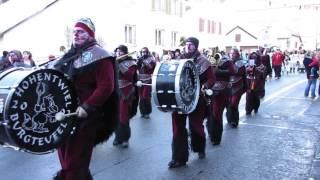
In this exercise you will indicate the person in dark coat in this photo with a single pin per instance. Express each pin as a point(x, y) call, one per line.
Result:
point(128, 95)
point(180, 152)
point(221, 95)
point(93, 73)
point(146, 64)
point(238, 88)
point(255, 83)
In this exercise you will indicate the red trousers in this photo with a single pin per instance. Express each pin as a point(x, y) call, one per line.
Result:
point(75, 154)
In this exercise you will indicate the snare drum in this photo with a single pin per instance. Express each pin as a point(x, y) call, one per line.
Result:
point(29, 100)
point(176, 86)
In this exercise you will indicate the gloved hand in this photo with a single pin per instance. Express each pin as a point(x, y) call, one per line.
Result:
point(81, 113)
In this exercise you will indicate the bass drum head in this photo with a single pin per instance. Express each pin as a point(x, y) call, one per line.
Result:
point(31, 108)
point(187, 84)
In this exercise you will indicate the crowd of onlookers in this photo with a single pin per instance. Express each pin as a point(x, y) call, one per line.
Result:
point(16, 58)
point(282, 62)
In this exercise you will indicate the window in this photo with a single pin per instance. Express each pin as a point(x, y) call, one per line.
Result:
point(238, 38)
point(209, 26)
point(168, 7)
point(174, 39)
point(201, 25)
point(220, 28)
point(159, 37)
point(130, 34)
point(175, 7)
point(213, 27)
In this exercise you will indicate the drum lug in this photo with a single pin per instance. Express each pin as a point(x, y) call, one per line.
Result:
point(7, 87)
point(13, 147)
point(4, 123)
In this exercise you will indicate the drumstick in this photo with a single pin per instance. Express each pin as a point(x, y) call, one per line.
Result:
point(208, 92)
point(60, 115)
point(140, 83)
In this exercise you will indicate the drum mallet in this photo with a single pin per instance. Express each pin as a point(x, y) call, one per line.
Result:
point(140, 83)
point(61, 116)
point(208, 92)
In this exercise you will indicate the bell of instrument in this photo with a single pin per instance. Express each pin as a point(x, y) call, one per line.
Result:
point(215, 59)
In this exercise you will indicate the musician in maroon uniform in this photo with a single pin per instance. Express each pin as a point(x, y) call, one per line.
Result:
point(255, 82)
point(265, 60)
point(92, 71)
point(221, 95)
point(237, 81)
point(180, 151)
point(128, 95)
point(146, 64)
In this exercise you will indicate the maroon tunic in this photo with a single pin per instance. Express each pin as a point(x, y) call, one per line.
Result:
point(196, 118)
point(127, 88)
point(255, 83)
point(94, 81)
point(237, 81)
point(145, 68)
point(238, 88)
point(221, 94)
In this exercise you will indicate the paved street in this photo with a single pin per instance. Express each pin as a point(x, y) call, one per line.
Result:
point(282, 141)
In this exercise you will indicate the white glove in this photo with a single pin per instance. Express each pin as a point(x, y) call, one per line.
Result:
point(81, 113)
point(139, 83)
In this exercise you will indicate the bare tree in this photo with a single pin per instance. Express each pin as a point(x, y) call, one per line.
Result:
point(68, 34)
point(100, 41)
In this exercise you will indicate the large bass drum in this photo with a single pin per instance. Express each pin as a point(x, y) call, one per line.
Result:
point(29, 100)
point(176, 86)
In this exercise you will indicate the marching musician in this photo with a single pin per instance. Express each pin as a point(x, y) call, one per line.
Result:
point(221, 94)
point(180, 151)
point(237, 81)
point(146, 64)
point(93, 73)
point(128, 95)
point(265, 60)
point(256, 73)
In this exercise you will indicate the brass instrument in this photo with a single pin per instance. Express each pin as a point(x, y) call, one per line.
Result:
point(125, 55)
point(215, 56)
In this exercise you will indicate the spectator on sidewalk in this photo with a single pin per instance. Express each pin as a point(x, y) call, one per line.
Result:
point(311, 72)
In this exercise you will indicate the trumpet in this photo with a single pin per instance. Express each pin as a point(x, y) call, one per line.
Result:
point(215, 60)
point(125, 55)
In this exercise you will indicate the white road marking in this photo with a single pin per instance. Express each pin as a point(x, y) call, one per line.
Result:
point(274, 95)
point(278, 127)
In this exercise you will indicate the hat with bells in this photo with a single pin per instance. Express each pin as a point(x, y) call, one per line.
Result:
point(87, 25)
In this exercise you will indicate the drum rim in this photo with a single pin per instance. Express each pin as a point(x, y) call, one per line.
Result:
point(153, 82)
point(181, 63)
point(177, 81)
point(6, 110)
point(8, 100)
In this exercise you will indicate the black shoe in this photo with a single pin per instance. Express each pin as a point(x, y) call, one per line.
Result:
point(176, 164)
point(116, 142)
point(58, 176)
point(215, 143)
point(248, 113)
point(125, 144)
point(201, 155)
point(233, 125)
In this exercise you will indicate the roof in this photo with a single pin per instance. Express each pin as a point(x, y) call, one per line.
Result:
point(26, 9)
point(238, 27)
